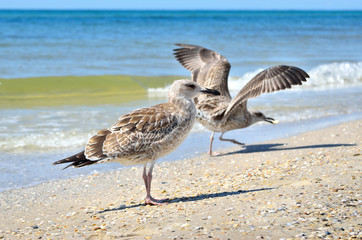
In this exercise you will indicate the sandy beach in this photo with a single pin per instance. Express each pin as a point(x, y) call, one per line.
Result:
point(303, 187)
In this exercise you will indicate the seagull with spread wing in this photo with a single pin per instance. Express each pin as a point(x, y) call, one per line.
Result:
point(222, 113)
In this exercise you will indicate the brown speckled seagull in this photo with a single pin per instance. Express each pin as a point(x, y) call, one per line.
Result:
point(222, 113)
point(144, 135)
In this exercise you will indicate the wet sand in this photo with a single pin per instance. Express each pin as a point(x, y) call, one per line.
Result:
point(306, 186)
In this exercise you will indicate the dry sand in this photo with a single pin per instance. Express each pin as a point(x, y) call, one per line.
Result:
point(302, 187)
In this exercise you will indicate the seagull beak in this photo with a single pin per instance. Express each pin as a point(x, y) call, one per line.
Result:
point(210, 91)
point(271, 120)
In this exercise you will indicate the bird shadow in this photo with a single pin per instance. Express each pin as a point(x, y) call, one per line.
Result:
point(192, 198)
point(280, 147)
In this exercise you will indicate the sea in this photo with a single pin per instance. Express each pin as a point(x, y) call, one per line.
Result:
point(46, 43)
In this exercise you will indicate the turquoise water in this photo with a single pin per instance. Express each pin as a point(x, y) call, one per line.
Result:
point(57, 43)
point(328, 45)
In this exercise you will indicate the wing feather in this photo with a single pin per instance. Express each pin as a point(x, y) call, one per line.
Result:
point(93, 149)
point(270, 80)
point(140, 129)
point(133, 135)
point(208, 68)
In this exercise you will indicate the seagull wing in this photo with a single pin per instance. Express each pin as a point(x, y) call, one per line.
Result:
point(270, 80)
point(208, 68)
point(137, 132)
point(133, 136)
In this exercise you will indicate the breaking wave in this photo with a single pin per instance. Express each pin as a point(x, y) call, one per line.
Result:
point(330, 75)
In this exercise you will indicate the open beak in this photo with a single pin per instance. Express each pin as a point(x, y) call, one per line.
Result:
point(271, 120)
point(211, 91)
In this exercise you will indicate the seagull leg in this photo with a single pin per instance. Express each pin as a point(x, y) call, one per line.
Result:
point(144, 176)
point(147, 178)
point(211, 140)
point(210, 149)
point(229, 140)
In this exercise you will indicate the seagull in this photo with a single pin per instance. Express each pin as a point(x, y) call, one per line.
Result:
point(144, 135)
point(222, 113)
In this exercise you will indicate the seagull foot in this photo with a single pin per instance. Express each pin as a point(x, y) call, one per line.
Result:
point(233, 141)
point(230, 140)
point(214, 154)
point(153, 201)
point(236, 142)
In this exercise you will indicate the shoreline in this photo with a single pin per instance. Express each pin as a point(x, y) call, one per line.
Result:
point(307, 185)
point(187, 150)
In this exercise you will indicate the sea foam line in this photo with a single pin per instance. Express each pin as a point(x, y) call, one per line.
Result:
point(324, 76)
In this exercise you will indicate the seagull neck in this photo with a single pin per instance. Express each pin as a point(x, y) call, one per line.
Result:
point(252, 118)
point(184, 104)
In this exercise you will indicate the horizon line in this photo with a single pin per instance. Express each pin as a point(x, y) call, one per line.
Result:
point(135, 9)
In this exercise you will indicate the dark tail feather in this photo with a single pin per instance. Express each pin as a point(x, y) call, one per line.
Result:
point(77, 160)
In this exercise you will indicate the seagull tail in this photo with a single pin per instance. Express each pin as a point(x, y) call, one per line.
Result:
point(77, 160)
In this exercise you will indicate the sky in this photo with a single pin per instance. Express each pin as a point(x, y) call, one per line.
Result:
point(185, 4)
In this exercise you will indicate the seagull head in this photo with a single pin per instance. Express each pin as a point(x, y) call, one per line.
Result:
point(259, 116)
point(188, 89)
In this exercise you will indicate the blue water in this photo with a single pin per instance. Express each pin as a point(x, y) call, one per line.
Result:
point(328, 45)
point(53, 43)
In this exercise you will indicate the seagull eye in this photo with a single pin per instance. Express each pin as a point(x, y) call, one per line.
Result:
point(192, 86)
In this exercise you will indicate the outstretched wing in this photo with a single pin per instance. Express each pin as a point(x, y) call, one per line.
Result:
point(270, 80)
point(208, 68)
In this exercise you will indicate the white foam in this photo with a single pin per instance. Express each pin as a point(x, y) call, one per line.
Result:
point(236, 83)
point(158, 92)
point(324, 76)
point(340, 74)
point(336, 75)
point(44, 141)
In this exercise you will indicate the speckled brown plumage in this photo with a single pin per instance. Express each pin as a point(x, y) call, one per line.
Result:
point(222, 113)
point(136, 137)
point(144, 135)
